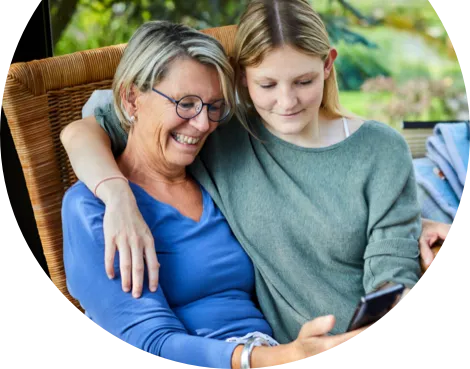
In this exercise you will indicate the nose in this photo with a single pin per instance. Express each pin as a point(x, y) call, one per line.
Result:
point(287, 99)
point(201, 121)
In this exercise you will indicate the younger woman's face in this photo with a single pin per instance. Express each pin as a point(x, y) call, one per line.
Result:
point(287, 90)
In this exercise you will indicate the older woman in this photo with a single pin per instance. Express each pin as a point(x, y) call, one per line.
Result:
point(172, 88)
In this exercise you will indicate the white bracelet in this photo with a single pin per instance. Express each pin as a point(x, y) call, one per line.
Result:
point(247, 350)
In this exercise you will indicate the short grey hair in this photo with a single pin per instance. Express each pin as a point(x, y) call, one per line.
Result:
point(150, 53)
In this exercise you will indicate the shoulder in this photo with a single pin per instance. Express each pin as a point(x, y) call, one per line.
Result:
point(384, 138)
point(229, 130)
point(227, 139)
point(386, 151)
point(106, 115)
point(104, 110)
point(98, 98)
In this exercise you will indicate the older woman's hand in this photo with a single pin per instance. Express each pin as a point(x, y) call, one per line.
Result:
point(126, 231)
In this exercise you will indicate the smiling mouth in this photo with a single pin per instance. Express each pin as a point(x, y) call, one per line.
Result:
point(187, 140)
point(290, 115)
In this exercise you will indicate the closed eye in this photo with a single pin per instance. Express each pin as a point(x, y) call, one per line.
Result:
point(302, 83)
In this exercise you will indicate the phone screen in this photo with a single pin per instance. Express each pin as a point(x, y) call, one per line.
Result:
point(375, 305)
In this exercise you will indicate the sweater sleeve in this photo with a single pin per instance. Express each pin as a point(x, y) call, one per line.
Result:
point(148, 322)
point(108, 120)
point(392, 253)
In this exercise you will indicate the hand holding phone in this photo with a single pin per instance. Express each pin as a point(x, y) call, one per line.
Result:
point(375, 305)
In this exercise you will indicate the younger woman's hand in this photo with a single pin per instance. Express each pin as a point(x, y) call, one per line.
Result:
point(433, 233)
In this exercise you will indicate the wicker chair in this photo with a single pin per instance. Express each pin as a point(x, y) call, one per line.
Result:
point(41, 97)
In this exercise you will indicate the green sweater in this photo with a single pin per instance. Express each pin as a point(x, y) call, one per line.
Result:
point(323, 226)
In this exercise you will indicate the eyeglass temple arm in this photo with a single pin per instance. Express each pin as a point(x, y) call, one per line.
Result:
point(162, 94)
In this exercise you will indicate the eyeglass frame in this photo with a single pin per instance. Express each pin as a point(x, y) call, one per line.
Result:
point(176, 102)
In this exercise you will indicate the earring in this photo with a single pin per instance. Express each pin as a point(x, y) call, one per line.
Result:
point(132, 120)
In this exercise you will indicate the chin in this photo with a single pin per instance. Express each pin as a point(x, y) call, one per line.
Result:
point(184, 161)
point(290, 128)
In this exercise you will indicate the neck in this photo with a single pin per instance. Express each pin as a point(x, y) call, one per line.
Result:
point(313, 135)
point(320, 132)
point(144, 167)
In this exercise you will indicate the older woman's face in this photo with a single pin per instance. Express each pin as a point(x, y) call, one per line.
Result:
point(168, 137)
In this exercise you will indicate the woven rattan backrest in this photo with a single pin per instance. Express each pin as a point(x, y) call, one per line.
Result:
point(41, 97)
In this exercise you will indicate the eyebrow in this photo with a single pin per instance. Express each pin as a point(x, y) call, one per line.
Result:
point(184, 94)
point(180, 96)
point(268, 79)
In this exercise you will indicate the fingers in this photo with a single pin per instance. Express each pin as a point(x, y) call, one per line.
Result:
point(109, 254)
point(137, 268)
point(333, 341)
point(443, 230)
point(153, 266)
point(427, 256)
point(436, 229)
point(318, 326)
point(125, 264)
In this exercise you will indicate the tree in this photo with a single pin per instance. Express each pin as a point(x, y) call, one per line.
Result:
point(199, 14)
point(86, 24)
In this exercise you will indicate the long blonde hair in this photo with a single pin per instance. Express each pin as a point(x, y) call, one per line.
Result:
point(150, 53)
point(269, 24)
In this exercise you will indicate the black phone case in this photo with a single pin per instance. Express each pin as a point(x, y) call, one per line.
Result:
point(374, 306)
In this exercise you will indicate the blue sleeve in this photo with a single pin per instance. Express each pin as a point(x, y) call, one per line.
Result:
point(147, 323)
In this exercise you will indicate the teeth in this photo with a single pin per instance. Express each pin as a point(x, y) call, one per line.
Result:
point(185, 139)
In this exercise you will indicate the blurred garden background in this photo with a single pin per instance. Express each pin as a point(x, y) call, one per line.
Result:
point(396, 61)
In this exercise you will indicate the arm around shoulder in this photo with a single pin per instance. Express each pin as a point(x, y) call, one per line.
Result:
point(89, 149)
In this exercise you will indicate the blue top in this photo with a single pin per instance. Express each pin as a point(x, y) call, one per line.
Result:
point(206, 282)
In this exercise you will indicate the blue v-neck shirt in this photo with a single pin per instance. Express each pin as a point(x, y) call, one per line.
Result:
point(206, 282)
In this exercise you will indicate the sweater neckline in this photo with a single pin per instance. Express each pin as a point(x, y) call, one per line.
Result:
point(266, 136)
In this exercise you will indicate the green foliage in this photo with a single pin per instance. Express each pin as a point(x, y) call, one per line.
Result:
point(97, 23)
point(357, 63)
point(339, 30)
point(417, 99)
point(402, 39)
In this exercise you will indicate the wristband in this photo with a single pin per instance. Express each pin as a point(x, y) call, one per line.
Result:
point(108, 178)
point(247, 350)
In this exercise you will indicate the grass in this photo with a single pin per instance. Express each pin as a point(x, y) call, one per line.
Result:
point(359, 102)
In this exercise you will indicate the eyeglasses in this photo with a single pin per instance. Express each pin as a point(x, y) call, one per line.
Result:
point(191, 105)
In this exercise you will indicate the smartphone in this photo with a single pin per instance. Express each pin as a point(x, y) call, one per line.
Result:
point(375, 305)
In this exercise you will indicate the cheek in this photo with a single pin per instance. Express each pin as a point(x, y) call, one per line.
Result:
point(259, 96)
point(165, 128)
point(165, 120)
point(213, 127)
point(315, 95)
